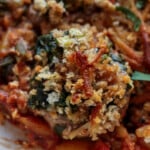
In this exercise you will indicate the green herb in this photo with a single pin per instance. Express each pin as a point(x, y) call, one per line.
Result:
point(47, 43)
point(140, 76)
point(131, 16)
point(62, 100)
point(140, 4)
point(104, 57)
point(38, 101)
point(118, 59)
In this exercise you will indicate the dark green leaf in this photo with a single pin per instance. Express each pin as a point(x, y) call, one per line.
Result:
point(131, 16)
point(46, 43)
point(118, 59)
point(140, 76)
point(140, 4)
point(62, 100)
point(38, 101)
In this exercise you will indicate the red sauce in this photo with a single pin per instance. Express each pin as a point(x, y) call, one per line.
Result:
point(86, 71)
point(75, 97)
point(146, 45)
point(113, 1)
point(101, 146)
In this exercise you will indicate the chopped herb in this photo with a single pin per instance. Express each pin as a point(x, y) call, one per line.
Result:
point(47, 43)
point(62, 100)
point(140, 4)
point(104, 57)
point(140, 76)
point(131, 16)
point(116, 57)
point(38, 101)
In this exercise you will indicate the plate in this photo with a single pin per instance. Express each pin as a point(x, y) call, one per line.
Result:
point(9, 135)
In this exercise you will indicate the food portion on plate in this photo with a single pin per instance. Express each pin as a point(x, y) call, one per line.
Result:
point(80, 84)
point(75, 74)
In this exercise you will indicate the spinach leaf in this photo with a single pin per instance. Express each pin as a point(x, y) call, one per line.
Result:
point(118, 59)
point(62, 100)
point(131, 16)
point(46, 43)
point(140, 4)
point(38, 101)
point(140, 76)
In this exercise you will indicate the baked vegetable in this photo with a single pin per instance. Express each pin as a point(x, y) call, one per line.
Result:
point(82, 92)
